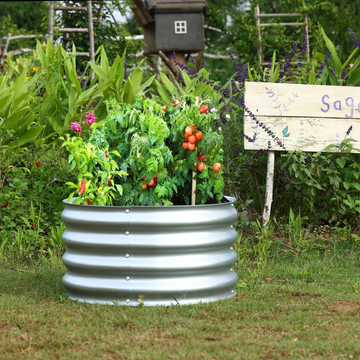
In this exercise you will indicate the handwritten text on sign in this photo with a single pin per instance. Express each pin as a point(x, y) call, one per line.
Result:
point(303, 117)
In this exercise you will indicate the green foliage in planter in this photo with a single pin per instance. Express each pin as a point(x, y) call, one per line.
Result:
point(143, 143)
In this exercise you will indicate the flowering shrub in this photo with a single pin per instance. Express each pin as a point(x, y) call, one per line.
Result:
point(148, 154)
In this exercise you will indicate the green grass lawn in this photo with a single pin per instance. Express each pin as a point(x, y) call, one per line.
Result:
point(297, 306)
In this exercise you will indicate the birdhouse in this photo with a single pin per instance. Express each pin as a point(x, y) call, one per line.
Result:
point(176, 26)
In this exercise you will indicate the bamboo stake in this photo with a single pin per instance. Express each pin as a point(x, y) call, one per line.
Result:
point(193, 183)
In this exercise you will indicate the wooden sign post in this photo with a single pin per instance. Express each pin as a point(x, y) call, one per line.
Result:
point(299, 117)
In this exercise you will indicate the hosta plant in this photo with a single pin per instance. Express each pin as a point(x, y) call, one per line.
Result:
point(149, 153)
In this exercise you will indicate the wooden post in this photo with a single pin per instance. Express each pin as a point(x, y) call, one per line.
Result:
point(193, 183)
point(257, 21)
point(91, 36)
point(269, 188)
point(51, 21)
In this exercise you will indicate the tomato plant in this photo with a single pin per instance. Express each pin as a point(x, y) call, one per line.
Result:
point(138, 155)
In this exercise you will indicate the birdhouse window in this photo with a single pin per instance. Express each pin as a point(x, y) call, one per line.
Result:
point(180, 27)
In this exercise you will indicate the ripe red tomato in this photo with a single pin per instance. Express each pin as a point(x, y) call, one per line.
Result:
point(191, 147)
point(186, 136)
point(106, 155)
point(204, 109)
point(176, 103)
point(143, 186)
point(198, 135)
point(144, 178)
point(189, 130)
point(200, 167)
point(164, 108)
point(109, 182)
point(152, 183)
point(216, 167)
point(201, 158)
point(192, 139)
point(155, 176)
point(185, 145)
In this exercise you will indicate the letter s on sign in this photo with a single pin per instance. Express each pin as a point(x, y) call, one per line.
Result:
point(323, 101)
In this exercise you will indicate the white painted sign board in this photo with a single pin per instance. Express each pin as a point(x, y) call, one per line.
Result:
point(302, 117)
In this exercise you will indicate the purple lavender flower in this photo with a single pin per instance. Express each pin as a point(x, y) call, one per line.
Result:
point(286, 63)
point(349, 130)
point(322, 65)
point(354, 38)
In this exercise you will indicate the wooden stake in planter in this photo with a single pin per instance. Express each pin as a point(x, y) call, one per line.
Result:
point(193, 183)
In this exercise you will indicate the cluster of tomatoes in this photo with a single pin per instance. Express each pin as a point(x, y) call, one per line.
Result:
point(152, 183)
point(192, 137)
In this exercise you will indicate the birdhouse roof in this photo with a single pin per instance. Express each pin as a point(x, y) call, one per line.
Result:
point(175, 6)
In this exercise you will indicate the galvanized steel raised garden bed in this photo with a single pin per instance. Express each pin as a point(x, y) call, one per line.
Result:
point(147, 254)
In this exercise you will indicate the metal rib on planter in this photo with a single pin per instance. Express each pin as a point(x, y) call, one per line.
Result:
point(153, 255)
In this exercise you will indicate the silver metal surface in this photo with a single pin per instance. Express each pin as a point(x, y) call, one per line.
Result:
point(151, 255)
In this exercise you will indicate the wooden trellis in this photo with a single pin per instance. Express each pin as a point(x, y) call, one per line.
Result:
point(260, 25)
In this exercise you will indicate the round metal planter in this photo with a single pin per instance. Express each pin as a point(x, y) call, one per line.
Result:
point(150, 255)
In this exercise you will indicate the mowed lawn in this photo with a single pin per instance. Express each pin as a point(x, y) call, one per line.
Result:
point(297, 306)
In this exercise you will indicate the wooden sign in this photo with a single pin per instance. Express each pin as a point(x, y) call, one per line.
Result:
point(302, 117)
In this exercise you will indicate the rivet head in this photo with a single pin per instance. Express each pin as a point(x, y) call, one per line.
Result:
point(232, 226)
point(127, 255)
point(232, 291)
point(127, 233)
point(231, 248)
point(127, 278)
point(127, 301)
point(232, 205)
point(127, 211)
point(231, 270)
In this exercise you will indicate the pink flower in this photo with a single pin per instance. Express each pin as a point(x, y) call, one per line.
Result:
point(54, 179)
point(38, 164)
point(90, 118)
point(76, 126)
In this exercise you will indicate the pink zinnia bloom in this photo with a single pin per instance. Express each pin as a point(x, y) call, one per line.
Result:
point(90, 118)
point(76, 126)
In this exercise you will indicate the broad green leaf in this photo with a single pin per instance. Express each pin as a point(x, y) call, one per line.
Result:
point(56, 123)
point(72, 99)
point(99, 71)
point(28, 136)
point(169, 85)
point(147, 83)
point(104, 62)
point(84, 96)
point(341, 162)
point(162, 92)
point(355, 77)
point(334, 54)
point(348, 59)
point(186, 78)
point(19, 84)
point(128, 96)
point(312, 76)
point(17, 116)
point(49, 49)
point(136, 79)
point(40, 53)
